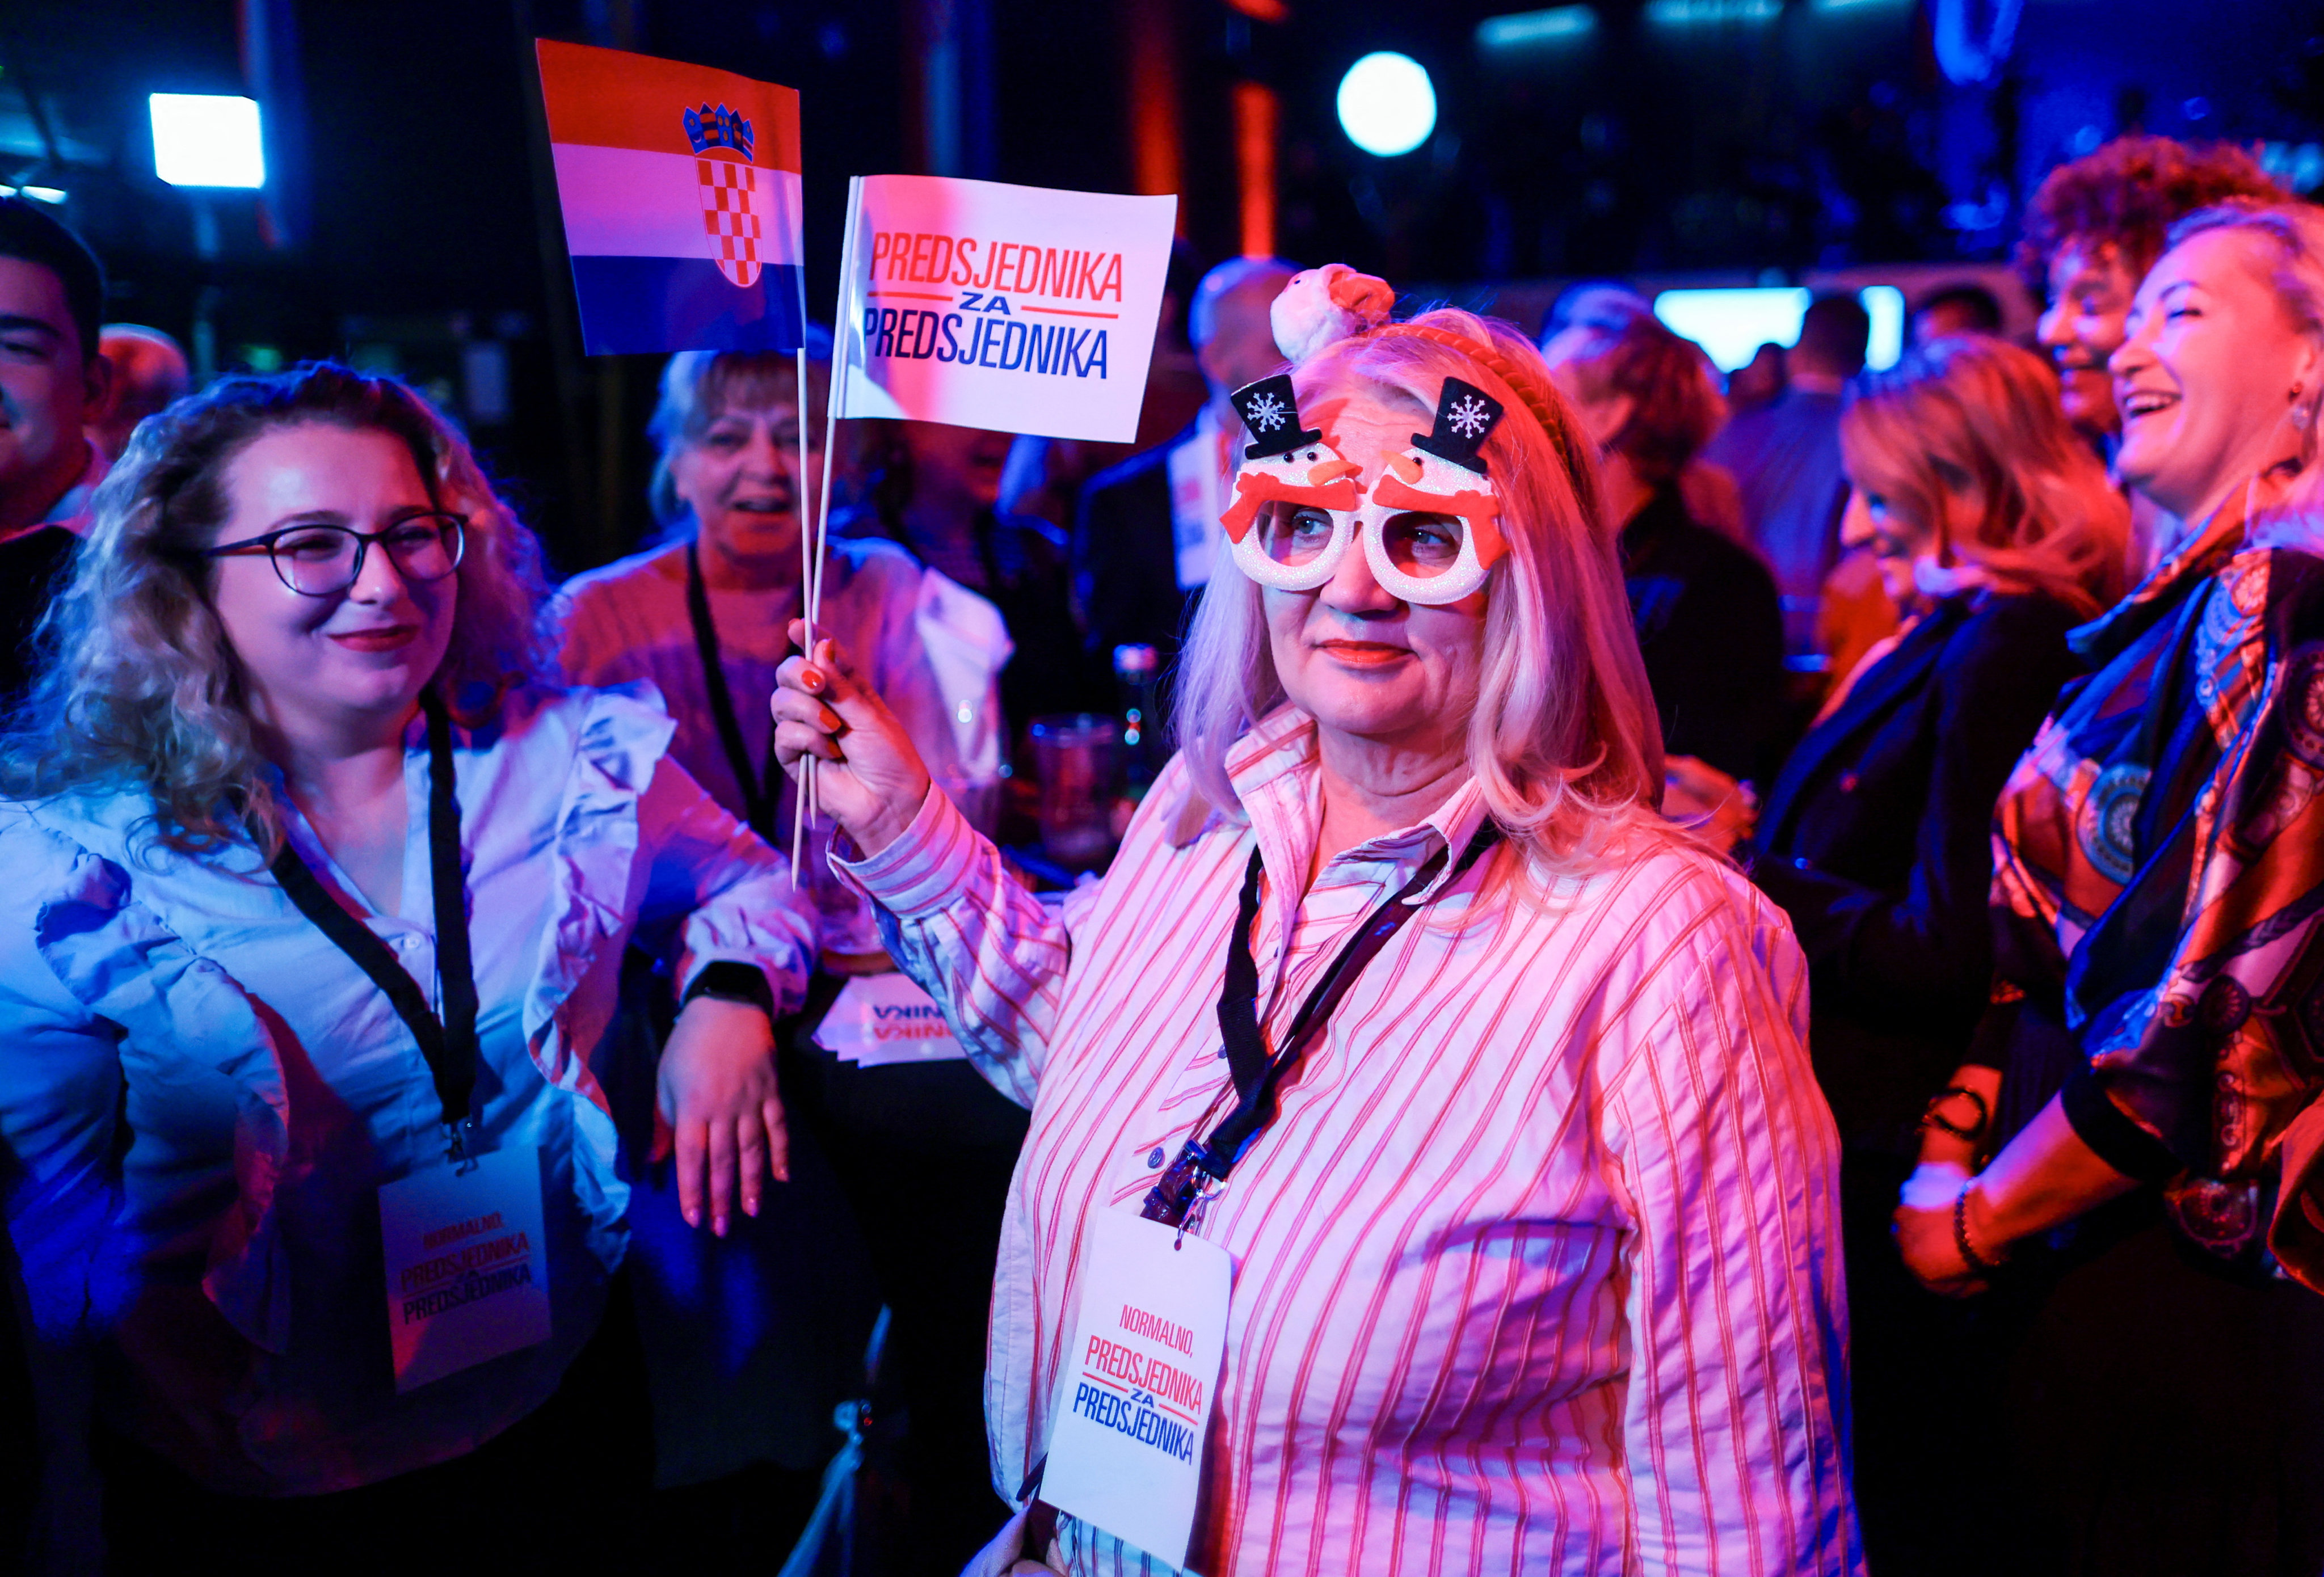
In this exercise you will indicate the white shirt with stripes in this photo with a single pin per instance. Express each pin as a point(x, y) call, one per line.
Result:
point(1538, 1268)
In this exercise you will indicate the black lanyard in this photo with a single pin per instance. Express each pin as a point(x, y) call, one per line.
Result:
point(1256, 1077)
point(449, 1043)
point(761, 787)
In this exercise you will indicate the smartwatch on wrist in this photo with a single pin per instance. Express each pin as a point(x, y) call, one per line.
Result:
point(730, 981)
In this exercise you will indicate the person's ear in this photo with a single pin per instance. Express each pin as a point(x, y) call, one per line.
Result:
point(96, 387)
point(2307, 377)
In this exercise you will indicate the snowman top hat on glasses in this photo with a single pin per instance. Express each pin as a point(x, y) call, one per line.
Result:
point(1429, 523)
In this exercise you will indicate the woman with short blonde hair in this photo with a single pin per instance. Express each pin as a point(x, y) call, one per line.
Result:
point(1530, 1204)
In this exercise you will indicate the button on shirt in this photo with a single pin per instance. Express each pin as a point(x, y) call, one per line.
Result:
point(1537, 1269)
point(264, 1087)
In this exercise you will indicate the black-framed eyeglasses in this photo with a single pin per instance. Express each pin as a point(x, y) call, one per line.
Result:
point(322, 561)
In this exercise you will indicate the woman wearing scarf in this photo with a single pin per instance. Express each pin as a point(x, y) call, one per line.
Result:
point(2154, 1032)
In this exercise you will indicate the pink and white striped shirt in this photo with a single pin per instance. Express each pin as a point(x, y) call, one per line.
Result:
point(1537, 1269)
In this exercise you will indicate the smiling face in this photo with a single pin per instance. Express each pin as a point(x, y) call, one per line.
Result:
point(2207, 379)
point(350, 665)
point(1910, 557)
point(1358, 660)
point(2090, 290)
point(740, 479)
point(48, 390)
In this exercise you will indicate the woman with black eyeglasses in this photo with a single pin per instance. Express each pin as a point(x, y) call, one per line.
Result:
point(317, 895)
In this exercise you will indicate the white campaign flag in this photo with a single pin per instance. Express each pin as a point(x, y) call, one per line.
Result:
point(1012, 308)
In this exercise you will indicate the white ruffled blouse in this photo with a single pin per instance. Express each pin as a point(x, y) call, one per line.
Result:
point(200, 1095)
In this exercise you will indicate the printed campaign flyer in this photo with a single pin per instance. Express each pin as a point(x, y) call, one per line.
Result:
point(1012, 308)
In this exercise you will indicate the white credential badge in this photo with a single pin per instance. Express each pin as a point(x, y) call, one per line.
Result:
point(1135, 1392)
point(467, 1272)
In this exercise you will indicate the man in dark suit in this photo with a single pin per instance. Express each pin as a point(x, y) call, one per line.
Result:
point(1146, 530)
point(53, 382)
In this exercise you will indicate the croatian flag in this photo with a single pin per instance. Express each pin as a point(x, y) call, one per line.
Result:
point(680, 187)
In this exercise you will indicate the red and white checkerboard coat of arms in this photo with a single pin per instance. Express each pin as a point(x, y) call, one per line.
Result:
point(730, 185)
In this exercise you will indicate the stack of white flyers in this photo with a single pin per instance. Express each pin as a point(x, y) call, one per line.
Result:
point(880, 1018)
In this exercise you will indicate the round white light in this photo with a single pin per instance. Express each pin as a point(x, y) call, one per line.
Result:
point(1387, 104)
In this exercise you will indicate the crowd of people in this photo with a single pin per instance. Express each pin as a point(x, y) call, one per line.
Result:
point(1733, 959)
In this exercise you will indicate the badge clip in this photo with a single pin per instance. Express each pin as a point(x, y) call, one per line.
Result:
point(456, 1151)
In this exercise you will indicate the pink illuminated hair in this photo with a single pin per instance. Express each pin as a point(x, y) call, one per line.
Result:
point(1564, 740)
point(1978, 417)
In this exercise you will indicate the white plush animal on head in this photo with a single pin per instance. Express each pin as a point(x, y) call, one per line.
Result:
point(1322, 306)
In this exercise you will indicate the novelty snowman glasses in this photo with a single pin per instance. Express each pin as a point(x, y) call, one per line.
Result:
point(1430, 526)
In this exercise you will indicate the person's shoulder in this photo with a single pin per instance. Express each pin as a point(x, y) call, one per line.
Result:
point(654, 567)
point(1143, 464)
point(1671, 916)
point(874, 561)
point(1720, 555)
point(1035, 531)
point(2018, 621)
point(44, 844)
point(586, 723)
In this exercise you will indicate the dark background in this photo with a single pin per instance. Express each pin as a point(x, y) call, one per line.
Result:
point(407, 223)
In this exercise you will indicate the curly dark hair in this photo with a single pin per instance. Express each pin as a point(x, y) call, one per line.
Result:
point(2128, 194)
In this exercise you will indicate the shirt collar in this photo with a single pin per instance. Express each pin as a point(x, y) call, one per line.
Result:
point(1272, 769)
point(70, 509)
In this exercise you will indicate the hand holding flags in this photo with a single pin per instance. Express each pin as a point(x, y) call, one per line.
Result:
point(968, 302)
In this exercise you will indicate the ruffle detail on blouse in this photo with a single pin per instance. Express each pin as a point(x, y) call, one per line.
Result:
point(621, 737)
point(118, 959)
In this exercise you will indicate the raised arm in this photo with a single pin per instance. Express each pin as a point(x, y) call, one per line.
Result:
point(971, 935)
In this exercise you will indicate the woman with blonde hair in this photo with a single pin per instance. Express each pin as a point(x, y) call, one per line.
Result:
point(2133, 1165)
point(1996, 534)
point(318, 893)
point(1529, 1203)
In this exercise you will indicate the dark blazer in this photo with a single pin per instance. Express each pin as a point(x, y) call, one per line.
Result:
point(1711, 631)
point(1876, 840)
point(1125, 557)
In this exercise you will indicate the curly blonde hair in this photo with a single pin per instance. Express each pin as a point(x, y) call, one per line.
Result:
point(1564, 742)
point(138, 687)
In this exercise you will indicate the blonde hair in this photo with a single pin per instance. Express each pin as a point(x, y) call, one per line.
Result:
point(1675, 403)
point(1563, 741)
point(698, 386)
point(1979, 416)
point(138, 686)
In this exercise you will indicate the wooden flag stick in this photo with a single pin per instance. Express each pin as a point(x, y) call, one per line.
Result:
point(805, 508)
point(811, 590)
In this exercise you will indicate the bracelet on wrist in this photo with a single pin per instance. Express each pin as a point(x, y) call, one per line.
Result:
point(1968, 1250)
point(1930, 1117)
